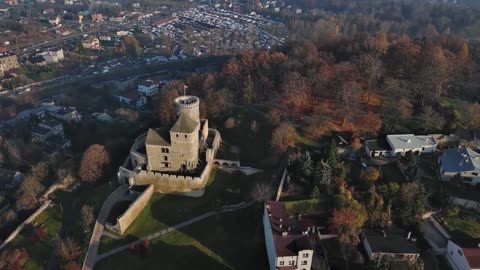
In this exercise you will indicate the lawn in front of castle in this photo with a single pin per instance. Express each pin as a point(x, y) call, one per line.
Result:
point(232, 240)
point(165, 210)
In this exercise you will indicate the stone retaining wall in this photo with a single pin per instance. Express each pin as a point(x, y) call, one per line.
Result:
point(126, 219)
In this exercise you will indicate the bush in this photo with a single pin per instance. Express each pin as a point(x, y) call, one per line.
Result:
point(303, 207)
point(230, 123)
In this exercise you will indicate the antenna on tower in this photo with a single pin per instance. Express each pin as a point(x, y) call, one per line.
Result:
point(185, 87)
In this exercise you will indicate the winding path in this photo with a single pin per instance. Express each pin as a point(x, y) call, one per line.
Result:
point(113, 198)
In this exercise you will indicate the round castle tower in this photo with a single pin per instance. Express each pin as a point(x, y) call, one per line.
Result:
point(189, 105)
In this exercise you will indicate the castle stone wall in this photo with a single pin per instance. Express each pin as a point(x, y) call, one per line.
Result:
point(127, 218)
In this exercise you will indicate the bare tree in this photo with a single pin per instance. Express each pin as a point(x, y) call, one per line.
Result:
point(29, 192)
point(68, 250)
point(88, 217)
point(262, 192)
point(430, 119)
point(283, 137)
point(94, 161)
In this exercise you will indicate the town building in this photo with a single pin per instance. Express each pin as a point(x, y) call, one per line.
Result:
point(148, 87)
point(392, 242)
point(97, 17)
point(8, 61)
point(51, 133)
point(133, 98)
point(53, 55)
point(174, 159)
point(67, 114)
point(463, 254)
point(400, 144)
point(91, 43)
point(10, 179)
point(460, 253)
point(54, 20)
point(287, 241)
point(462, 162)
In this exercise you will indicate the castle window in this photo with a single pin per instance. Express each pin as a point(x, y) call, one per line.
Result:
point(186, 136)
point(176, 135)
point(165, 158)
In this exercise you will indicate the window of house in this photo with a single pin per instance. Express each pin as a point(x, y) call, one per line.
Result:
point(291, 262)
point(304, 262)
point(281, 263)
point(460, 252)
point(305, 255)
point(474, 173)
point(467, 179)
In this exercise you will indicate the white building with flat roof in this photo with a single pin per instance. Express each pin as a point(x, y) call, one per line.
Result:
point(417, 144)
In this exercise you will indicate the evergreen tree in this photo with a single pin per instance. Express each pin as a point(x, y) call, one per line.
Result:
point(332, 155)
point(306, 164)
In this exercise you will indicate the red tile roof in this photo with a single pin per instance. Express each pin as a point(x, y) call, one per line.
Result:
point(132, 94)
point(288, 234)
point(473, 257)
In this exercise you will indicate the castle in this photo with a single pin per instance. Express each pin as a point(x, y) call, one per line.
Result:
point(175, 159)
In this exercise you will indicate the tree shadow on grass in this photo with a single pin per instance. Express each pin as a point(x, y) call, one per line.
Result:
point(162, 256)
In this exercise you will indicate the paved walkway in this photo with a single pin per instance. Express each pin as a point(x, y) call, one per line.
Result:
point(114, 197)
point(175, 228)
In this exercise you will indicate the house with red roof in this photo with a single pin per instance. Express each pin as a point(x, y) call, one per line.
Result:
point(463, 254)
point(287, 241)
point(133, 98)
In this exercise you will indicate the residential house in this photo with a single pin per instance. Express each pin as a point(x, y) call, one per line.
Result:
point(67, 114)
point(36, 60)
point(54, 20)
point(462, 162)
point(10, 179)
point(102, 117)
point(148, 87)
point(400, 144)
point(54, 55)
point(40, 134)
point(91, 43)
point(8, 61)
point(392, 242)
point(460, 253)
point(133, 98)
point(11, 2)
point(51, 133)
point(97, 17)
point(287, 241)
point(46, 129)
point(418, 144)
point(463, 254)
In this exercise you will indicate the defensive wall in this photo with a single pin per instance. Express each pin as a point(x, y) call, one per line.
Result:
point(126, 219)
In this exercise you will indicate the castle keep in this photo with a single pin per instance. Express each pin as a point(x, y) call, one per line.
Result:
point(174, 159)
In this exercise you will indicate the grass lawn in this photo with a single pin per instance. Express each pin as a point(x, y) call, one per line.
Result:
point(164, 210)
point(227, 241)
point(391, 173)
point(306, 141)
point(463, 227)
point(39, 252)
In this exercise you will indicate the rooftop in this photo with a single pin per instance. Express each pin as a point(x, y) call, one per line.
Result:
point(390, 240)
point(40, 130)
point(288, 234)
point(184, 124)
point(159, 136)
point(378, 144)
point(460, 160)
point(132, 95)
point(406, 141)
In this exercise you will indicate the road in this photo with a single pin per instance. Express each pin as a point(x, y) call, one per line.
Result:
point(113, 198)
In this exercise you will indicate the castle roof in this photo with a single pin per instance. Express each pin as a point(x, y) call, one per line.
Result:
point(184, 124)
point(154, 137)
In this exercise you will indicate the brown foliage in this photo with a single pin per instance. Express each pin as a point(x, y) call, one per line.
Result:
point(262, 192)
point(368, 124)
point(71, 265)
point(13, 259)
point(88, 217)
point(370, 174)
point(68, 250)
point(344, 223)
point(94, 161)
point(283, 137)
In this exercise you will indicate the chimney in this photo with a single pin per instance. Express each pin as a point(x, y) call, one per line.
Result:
point(409, 235)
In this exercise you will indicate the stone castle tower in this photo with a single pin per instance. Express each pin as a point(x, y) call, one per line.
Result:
point(177, 149)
